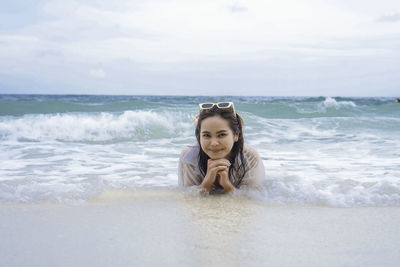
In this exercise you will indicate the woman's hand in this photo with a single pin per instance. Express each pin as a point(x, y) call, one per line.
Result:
point(225, 182)
point(214, 167)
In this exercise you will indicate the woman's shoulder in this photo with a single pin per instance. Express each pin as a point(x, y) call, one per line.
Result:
point(185, 151)
point(189, 154)
point(251, 155)
point(250, 150)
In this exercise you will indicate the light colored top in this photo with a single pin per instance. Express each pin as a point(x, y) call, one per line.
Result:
point(189, 172)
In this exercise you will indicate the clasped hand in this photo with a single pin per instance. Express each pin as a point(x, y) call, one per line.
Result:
point(217, 170)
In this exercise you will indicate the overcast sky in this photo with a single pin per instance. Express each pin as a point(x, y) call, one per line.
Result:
point(203, 47)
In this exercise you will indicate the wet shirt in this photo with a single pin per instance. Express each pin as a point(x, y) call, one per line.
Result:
point(189, 172)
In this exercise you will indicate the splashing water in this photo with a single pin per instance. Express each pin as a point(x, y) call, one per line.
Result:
point(319, 151)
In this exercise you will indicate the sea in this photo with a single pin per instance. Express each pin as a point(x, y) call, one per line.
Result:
point(329, 151)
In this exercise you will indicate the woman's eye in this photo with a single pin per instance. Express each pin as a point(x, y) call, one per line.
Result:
point(222, 135)
point(206, 135)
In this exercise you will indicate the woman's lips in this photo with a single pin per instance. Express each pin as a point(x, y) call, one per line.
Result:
point(216, 150)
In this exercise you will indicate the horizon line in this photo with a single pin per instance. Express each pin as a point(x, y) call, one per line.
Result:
point(176, 95)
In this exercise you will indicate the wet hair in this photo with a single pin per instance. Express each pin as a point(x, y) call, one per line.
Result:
point(237, 169)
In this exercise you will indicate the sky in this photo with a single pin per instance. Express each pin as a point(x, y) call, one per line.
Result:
point(203, 47)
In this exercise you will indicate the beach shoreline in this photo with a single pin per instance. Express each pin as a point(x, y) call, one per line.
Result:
point(153, 227)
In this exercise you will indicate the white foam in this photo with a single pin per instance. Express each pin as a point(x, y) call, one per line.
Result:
point(131, 125)
point(328, 161)
point(330, 102)
point(317, 161)
point(298, 190)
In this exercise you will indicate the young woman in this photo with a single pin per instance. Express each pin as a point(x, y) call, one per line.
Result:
point(220, 161)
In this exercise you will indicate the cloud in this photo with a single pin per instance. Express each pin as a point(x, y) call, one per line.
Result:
point(97, 73)
point(166, 32)
point(159, 39)
point(237, 8)
point(390, 18)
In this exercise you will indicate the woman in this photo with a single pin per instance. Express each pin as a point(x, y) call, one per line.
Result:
point(220, 161)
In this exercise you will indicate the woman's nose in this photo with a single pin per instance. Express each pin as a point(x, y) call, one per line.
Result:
point(214, 142)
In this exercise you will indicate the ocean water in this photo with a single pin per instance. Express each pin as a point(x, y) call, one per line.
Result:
point(329, 151)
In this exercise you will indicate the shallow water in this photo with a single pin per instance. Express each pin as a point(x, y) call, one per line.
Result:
point(149, 227)
point(319, 151)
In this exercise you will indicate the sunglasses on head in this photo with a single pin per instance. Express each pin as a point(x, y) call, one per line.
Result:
point(220, 105)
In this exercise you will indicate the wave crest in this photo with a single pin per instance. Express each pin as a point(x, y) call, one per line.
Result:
point(339, 193)
point(330, 102)
point(130, 125)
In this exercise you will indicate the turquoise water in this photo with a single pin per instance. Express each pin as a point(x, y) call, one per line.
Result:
point(317, 150)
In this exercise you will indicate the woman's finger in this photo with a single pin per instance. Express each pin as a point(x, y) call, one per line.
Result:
point(219, 162)
point(216, 169)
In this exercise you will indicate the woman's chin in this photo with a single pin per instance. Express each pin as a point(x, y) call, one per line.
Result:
point(216, 156)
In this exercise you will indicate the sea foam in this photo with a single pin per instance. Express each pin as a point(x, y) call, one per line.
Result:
point(330, 102)
point(316, 151)
point(130, 125)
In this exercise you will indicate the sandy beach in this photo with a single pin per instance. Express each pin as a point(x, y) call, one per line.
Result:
point(160, 226)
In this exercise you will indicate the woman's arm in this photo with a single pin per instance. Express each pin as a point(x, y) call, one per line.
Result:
point(187, 175)
point(225, 182)
point(186, 172)
point(216, 169)
point(255, 172)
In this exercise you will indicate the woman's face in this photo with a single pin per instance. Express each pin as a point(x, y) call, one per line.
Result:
point(216, 137)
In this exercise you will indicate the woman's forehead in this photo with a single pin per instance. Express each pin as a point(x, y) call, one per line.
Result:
point(214, 124)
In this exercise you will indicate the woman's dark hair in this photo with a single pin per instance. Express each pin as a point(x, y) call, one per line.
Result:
point(237, 169)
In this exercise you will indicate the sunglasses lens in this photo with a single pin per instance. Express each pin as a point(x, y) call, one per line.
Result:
point(223, 105)
point(206, 105)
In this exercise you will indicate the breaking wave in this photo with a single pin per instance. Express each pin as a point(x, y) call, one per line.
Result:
point(81, 127)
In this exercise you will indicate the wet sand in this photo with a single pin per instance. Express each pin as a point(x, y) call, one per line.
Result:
point(169, 228)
